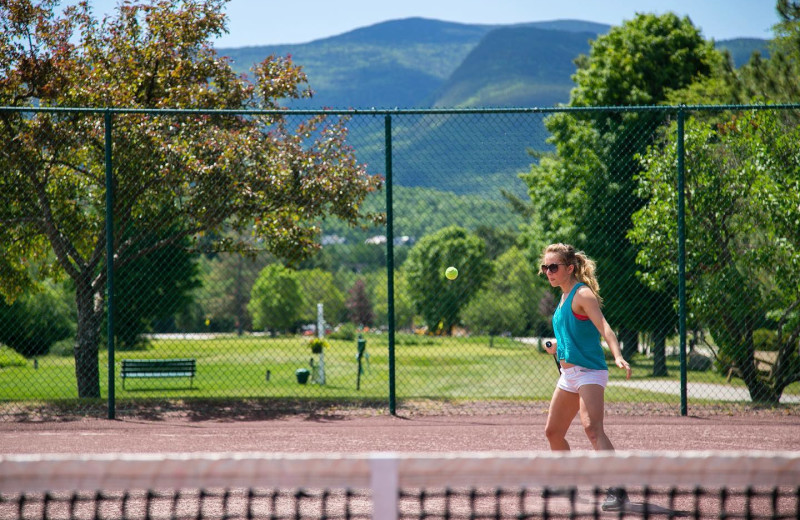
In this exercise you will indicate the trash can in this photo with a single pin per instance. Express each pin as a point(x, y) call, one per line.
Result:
point(302, 375)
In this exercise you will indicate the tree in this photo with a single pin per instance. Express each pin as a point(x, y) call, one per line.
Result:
point(34, 322)
point(508, 302)
point(742, 209)
point(276, 299)
point(358, 305)
point(403, 306)
point(585, 192)
point(153, 287)
point(436, 298)
point(774, 79)
point(221, 178)
point(226, 283)
point(318, 286)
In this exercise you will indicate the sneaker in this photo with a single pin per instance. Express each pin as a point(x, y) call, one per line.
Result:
point(616, 499)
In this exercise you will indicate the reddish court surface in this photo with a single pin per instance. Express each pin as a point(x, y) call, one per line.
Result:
point(365, 431)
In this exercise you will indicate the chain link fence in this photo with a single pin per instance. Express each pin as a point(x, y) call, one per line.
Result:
point(243, 272)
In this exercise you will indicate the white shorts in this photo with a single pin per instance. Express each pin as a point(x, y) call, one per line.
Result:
point(575, 377)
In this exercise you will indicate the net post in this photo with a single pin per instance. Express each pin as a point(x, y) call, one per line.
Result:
point(384, 482)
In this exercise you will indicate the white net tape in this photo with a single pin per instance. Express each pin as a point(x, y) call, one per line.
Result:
point(29, 473)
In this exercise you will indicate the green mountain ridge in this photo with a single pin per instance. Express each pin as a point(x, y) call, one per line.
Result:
point(422, 63)
point(514, 67)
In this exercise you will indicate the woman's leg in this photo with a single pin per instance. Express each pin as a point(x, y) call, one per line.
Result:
point(592, 412)
point(563, 408)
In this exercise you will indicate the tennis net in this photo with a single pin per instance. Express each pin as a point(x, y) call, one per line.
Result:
point(390, 486)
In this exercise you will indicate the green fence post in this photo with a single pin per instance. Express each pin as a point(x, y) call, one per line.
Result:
point(110, 262)
point(390, 261)
point(682, 262)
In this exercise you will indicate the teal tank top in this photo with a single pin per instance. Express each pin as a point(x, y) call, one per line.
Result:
point(578, 340)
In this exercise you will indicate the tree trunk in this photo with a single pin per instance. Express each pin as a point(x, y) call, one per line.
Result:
point(90, 317)
point(630, 343)
point(760, 391)
point(660, 354)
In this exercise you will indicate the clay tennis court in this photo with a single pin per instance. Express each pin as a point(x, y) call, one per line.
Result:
point(467, 427)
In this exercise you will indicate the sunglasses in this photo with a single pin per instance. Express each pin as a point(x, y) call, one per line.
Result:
point(553, 268)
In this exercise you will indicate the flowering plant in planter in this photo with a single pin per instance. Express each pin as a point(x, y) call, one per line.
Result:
point(317, 344)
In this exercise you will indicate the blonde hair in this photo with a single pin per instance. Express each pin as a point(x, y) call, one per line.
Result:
point(585, 267)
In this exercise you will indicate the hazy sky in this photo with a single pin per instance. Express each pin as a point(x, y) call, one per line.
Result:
point(261, 22)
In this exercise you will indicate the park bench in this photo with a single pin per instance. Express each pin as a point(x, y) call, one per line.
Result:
point(764, 362)
point(158, 368)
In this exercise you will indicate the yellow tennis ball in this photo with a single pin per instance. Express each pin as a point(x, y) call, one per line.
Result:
point(451, 273)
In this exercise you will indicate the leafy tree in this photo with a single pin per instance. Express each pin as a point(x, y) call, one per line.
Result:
point(222, 299)
point(276, 299)
point(742, 209)
point(190, 176)
point(436, 298)
point(153, 287)
point(497, 241)
point(774, 79)
point(403, 305)
point(319, 286)
point(358, 305)
point(508, 302)
point(585, 192)
point(35, 321)
point(760, 80)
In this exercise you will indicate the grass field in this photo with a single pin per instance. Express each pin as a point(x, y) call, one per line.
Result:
point(247, 367)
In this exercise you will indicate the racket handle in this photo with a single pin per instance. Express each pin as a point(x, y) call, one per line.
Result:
point(555, 357)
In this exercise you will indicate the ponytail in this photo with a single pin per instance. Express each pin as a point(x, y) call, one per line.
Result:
point(585, 267)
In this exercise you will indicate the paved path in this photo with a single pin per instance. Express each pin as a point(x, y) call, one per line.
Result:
point(698, 390)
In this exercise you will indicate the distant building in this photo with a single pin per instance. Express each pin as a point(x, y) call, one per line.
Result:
point(377, 240)
point(404, 240)
point(332, 240)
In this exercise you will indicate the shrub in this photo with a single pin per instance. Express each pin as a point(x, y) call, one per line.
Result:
point(345, 332)
point(35, 321)
point(63, 348)
point(9, 358)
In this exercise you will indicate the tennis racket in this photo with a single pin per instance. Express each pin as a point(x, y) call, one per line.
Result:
point(555, 356)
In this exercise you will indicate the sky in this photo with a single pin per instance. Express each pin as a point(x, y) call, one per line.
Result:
point(267, 22)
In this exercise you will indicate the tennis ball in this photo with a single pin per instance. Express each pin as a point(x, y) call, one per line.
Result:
point(451, 273)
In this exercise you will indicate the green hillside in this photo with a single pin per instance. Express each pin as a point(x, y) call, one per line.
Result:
point(516, 66)
point(742, 48)
point(392, 64)
point(422, 211)
point(421, 63)
point(401, 63)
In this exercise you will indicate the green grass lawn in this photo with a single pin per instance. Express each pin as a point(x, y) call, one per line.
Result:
point(426, 368)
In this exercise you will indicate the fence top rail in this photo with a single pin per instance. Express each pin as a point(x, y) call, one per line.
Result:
point(397, 111)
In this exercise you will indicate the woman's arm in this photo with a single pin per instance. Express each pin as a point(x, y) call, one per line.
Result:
point(585, 302)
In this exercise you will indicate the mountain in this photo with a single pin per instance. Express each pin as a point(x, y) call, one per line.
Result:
point(742, 48)
point(421, 63)
point(515, 67)
point(408, 63)
point(399, 63)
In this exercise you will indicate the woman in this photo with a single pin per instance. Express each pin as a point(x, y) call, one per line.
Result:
point(578, 324)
